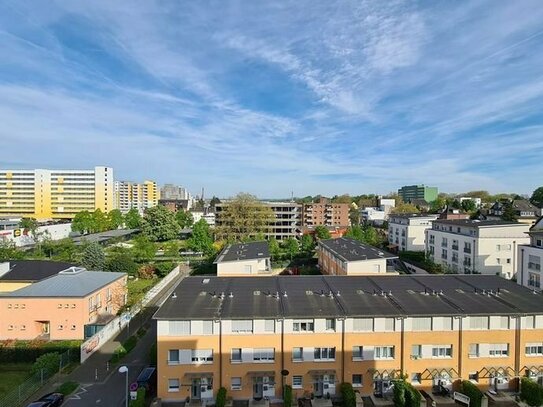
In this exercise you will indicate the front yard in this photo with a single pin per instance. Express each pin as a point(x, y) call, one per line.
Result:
point(12, 375)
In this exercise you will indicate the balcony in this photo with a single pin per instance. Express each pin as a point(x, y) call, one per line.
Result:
point(455, 247)
point(467, 250)
point(455, 259)
point(534, 266)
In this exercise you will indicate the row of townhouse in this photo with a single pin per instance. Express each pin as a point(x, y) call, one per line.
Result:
point(254, 335)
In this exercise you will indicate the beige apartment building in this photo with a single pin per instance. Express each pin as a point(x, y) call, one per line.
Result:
point(474, 246)
point(408, 231)
point(241, 333)
point(530, 258)
point(62, 307)
point(325, 213)
point(132, 195)
point(55, 194)
point(244, 259)
point(346, 256)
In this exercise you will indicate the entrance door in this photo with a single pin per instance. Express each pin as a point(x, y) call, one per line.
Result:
point(258, 388)
point(319, 386)
point(196, 392)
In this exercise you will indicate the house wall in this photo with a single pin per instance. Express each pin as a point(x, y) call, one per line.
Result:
point(239, 268)
point(529, 273)
point(330, 264)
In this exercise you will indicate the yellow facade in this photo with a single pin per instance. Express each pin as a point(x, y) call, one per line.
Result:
point(52, 194)
point(131, 195)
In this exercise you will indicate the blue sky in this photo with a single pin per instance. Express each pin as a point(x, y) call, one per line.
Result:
point(279, 96)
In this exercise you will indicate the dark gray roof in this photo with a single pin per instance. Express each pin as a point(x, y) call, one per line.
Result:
point(353, 250)
point(244, 251)
point(349, 296)
point(103, 236)
point(75, 283)
point(523, 205)
point(33, 270)
point(413, 215)
point(475, 223)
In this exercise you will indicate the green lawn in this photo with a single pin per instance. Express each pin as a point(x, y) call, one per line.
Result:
point(138, 288)
point(12, 374)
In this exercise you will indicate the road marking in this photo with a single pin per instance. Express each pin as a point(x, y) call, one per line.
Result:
point(82, 390)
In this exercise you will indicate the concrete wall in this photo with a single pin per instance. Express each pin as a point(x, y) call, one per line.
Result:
point(244, 267)
point(23, 237)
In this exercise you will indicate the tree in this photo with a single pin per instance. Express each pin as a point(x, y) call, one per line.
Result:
point(366, 234)
point(354, 216)
point(114, 219)
point(509, 213)
point(133, 219)
point(185, 219)
point(537, 197)
point(143, 249)
point(275, 250)
point(30, 224)
point(171, 249)
point(291, 246)
point(121, 263)
point(321, 232)
point(93, 257)
point(159, 224)
point(307, 243)
point(405, 208)
point(468, 205)
point(214, 201)
point(201, 239)
point(83, 222)
point(8, 251)
point(345, 198)
point(244, 217)
point(100, 221)
point(48, 362)
point(437, 205)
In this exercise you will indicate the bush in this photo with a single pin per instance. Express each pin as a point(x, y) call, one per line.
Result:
point(67, 388)
point(29, 351)
point(130, 343)
point(473, 392)
point(347, 394)
point(49, 362)
point(146, 272)
point(163, 268)
point(531, 392)
point(221, 398)
point(287, 402)
point(412, 396)
point(122, 263)
point(140, 400)
point(118, 354)
point(399, 393)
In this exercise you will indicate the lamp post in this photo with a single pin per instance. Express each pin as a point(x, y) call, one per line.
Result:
point(124, 369)
point(128, 325)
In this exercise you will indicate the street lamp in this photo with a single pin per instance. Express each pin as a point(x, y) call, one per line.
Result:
point(124, 369)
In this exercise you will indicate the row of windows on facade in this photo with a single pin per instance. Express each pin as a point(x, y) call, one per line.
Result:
point(444, 228)
point(95, 302)
point(361, 325)
point(359, 353)
point(23, 327)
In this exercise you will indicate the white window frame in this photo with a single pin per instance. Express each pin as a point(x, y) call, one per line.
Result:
point(384, 352)
point(173, 388)
point(297, 382)
point(234, 351)
point(235, 386)
point(357, 383)
point(173, 361)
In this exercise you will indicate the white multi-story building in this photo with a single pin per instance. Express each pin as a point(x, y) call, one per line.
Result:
point(530, 257)
point(407, 231)
point(474, 246)
point(378, 215)
point(131, 195)
point(208, 217)
point(476, 201)
point(174, 192)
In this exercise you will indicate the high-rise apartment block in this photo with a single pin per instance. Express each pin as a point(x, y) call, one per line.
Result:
point(410, 192)
point(530, 258)
point(131, 195)
point(174, 192)
point(55, 194)
point(325, 213)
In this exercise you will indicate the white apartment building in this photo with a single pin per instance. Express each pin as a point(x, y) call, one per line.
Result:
point(244, 259)
point(476, 201)
point(208, 217)
point(132, 195)
point(530, 257)
point(408, 231)
point(55, 194)
point(474, 246)
point(378, 215)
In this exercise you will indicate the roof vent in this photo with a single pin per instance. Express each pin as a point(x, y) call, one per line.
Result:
point(285, 294)
point(205, 281)
point(72, 271)
point(338, 294)
point(231, 295)
point(174, 295)
point(309, 292)
point(331, 294)
point(256, 292)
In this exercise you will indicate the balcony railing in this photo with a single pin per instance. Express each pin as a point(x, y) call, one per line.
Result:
point(455, 247)
point(467, 249)
point(534, 266)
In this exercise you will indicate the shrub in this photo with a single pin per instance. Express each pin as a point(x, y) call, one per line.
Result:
point(49, 362)
point(221, 398)
point(163, 268)
point(347, 394)
point(473, 392)
point(67, 388)
point(147, 271)
point(140, 400)
point(122, 263)
point(29, 351)
point(118, 354)
point(287, 402)
point(130, 343)
point(399, 393)
point(531, 392)
point(412, 396)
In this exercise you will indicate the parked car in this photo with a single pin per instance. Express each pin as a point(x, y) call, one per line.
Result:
point(49, 400)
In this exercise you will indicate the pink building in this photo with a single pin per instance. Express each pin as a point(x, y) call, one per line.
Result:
point(63, 306)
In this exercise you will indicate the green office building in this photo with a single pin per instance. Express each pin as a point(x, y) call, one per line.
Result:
point(411, 192)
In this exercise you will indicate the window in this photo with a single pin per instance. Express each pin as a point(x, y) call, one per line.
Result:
point(235, 383)
point(473, 350)
point(173, 385)
point(98, 300)
point(73, 327)
point(389, 324)
point(202, 355)
point(534, 349)
point(242, 326)
point(358, 353)
point(384, 352)
point(467, 247)
point(236, 355)
point(264, 355)
point(330, 324)
point(416, 351)
point(529, 322)
point(10, 328)
point(303, 326)
point(534, 262)
point(23, 327)
point(422, 324)
point(415, 378)
point(432, 239)
point(478, 323)
point(297, 382)
point(297, 354)
point(442, 351)
point(179, 328)
point(207, 327)
point(534, 280)
point(444, 254)
point(60, 327)
point(444, 242)
point(497, 350)
point(269, 325)
point(504, 322)
point(173, 356)
point(363, 324)
point(357, 380)
point(325, 353)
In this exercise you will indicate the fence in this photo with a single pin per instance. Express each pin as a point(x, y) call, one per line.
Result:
point(115, 326)
point(34, 382)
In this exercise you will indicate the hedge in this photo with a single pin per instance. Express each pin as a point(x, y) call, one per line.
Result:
point(531, 392)
point(221, 397)
point(347, 395)
point(405, 395)
point(287, 402)
point(48, 362)
point(472, 391)
point(29, 351)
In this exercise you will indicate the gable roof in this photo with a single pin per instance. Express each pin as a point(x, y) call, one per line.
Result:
point(33, 270)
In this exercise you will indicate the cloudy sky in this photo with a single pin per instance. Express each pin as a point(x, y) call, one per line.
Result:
point(279, 96)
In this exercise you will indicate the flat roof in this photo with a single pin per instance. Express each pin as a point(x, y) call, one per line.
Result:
point(75, 283)
point(414, 215)
point(244, 251)
point(353, 250)
point(103, 236)
point(347, 296)
point(33, 270)
point(474, 223)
